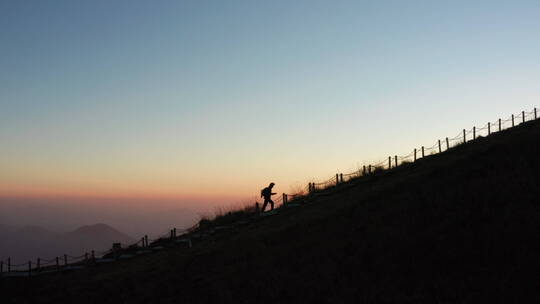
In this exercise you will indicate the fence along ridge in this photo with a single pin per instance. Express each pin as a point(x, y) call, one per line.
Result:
point(441, 145)
point(63, 262)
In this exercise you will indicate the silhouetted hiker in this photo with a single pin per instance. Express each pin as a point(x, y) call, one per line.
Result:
point(267, 194)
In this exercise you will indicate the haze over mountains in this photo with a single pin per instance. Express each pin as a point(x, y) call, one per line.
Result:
point(32, 228)
point(30, 242)
point(135, 218)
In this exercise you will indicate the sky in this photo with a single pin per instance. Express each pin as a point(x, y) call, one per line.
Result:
point(206, 102)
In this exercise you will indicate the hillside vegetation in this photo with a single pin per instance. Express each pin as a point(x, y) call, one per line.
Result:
point(459, 227)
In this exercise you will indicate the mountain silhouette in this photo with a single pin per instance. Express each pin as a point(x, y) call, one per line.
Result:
point(94, 237)
point(30, 242)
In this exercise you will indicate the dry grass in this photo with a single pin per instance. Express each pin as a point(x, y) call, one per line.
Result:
point(225, 215)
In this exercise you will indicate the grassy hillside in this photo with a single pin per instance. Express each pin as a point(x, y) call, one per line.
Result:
point(459, 227)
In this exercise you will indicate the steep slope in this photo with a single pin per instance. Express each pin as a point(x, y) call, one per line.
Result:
point(459, 227)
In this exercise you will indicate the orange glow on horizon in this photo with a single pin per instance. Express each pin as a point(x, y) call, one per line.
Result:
point(21, 191)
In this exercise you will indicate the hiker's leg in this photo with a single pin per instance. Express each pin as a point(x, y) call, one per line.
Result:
point(271, 204)
point(264, 205)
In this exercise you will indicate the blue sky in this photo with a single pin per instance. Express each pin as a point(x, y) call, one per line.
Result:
point(217, 97)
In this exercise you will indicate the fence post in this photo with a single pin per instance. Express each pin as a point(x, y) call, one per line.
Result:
point(414, 154)
point(389, 162)
point(523, 116)
point(146, 240)
point(369, 169)
point(395, 160)
point(464, 136)
point(57, 264)
point(423, 154)
point(489, 128)
point(284, 199)
point(535, 113)
point(447, 144)
point(440, 149)
point(500, 125)
point(512, 120)
point(29, 268)
point(172, 234)
point(337, 178)
point(341, 177)
point(93, 256)
point(364, 171)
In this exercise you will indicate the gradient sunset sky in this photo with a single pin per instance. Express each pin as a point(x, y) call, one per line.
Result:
point(198, 100)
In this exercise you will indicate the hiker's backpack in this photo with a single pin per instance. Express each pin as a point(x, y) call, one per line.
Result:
point(264, 192)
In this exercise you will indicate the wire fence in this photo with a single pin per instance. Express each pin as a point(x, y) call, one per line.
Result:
point(440, 146)
point(65, 262)
point(68, 262)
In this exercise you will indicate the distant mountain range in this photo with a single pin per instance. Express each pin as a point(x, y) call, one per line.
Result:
point(30, 242)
